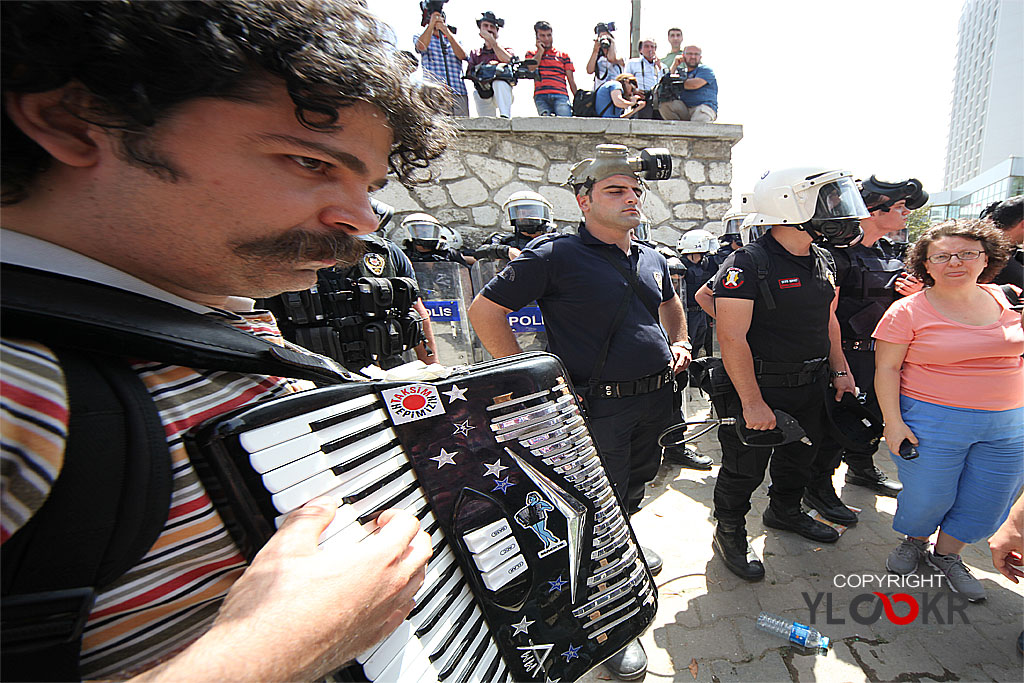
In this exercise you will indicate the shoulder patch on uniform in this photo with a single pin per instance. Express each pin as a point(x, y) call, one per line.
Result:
point(733, 278)
point(374, 262)
point(508, 273)
point(658, 278)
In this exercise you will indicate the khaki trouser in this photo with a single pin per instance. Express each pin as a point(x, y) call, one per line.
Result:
point(677, 111)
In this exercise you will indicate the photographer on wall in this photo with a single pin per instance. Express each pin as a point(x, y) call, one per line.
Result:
point(698, 98)
point(604, 62)
point(500, 101)
point(442, 56)
point(648, 70)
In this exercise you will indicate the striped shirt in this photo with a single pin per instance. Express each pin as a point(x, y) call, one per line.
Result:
point(553, 67)
point(171, 596)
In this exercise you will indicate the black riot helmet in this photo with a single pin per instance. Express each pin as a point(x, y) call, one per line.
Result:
point(852, 424)
point(880, 195)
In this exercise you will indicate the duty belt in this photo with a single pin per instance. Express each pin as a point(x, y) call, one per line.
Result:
point(773, 375)
point(858, 345)
point(634, 387)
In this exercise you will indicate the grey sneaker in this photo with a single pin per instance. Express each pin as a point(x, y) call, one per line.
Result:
point(906, 556)
point(958, 575)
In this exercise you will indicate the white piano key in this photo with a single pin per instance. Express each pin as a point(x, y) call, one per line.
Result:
point(317, 461)
point(279, 432)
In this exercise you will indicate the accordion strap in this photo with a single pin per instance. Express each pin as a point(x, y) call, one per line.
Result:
point(74, 313)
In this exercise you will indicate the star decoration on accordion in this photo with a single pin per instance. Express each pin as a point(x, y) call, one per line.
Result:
point(572, 652)
point(455, 394)
point(523, 626)
point(502, 485)
point(494, 468)
point(445, 458)
point(558, 584)
point(462, 428)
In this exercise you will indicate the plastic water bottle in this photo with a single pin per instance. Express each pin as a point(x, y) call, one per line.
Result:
point(794, 632)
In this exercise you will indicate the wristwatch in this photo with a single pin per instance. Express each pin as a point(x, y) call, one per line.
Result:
point(685, 344)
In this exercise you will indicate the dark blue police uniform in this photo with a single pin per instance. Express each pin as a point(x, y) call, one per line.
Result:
point(697, 274)
point(579, 293)
point(866, 278)
point(790, 346)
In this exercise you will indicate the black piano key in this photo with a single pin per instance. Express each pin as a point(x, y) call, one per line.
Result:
point(317, 425)
point(456, 659)
point(441, 544)
point(372, 514)
point(460, 622)
point(429, 595)
point(365, 457)
point(475, 659)
point(378, 484)
point(432, 620)
point(492, 669)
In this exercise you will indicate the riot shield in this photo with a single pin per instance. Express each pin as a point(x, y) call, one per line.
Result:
point(527, 323)
point(445, 289)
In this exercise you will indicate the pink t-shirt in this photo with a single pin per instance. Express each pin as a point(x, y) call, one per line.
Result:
point(954, 364)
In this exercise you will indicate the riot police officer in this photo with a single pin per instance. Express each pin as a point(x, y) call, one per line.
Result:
point(607, 302)
point(529, 215)
point(869, 276)
point(695, 248)
point(426, 243)
point(730, 242)
point(774, 302)
point(367, 314)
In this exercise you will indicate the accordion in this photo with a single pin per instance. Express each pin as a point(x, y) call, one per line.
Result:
point(535, 574)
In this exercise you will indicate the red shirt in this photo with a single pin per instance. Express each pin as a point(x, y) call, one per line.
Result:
point(552, 69)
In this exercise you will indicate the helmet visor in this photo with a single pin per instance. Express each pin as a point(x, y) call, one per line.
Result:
point(839, 199)
point(538, 212)
point(423, 230)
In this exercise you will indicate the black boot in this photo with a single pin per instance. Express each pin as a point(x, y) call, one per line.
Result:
point(730, 544)
point(874, 479)
point(822, 497)
point(653, 560)
point(795, 520)
point(687, 457)
point(629, 663)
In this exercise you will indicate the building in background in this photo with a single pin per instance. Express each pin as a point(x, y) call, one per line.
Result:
point(985, 149)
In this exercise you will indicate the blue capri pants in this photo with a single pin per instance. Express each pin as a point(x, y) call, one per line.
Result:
point(970, 469)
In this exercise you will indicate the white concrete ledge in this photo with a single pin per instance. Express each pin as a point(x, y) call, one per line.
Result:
point(564, 124)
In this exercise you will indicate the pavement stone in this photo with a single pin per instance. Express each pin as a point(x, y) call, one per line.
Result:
point(708, 614)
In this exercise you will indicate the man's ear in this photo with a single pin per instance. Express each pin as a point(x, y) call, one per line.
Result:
point(583, 200)
point(45, 118)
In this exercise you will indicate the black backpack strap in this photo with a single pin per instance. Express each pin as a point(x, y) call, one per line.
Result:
point(760, 257)
point(107, 320)
point(106, 509)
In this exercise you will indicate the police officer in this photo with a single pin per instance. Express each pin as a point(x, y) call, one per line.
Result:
point(775, 307)
point(529, 215)
point(869, 276)
point(730, 242)
point(1008, 216)
point(339, 327)
point(426, 243)
point(695, 248)
point(605, 299)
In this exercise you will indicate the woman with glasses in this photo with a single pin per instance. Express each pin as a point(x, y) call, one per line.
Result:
point(950, 382)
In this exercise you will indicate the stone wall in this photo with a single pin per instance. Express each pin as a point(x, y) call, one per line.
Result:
point(492, 158)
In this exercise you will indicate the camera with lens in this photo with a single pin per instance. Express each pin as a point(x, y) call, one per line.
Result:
point(652, 163)
point(604, 28)
point(431, 6)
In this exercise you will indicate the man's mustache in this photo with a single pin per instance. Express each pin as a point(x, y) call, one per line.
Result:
point(303, 246)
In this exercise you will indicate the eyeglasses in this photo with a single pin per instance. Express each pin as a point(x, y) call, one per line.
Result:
point(968, 255)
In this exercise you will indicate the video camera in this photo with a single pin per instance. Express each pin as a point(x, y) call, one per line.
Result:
point(653, 163)
point(601, 27)
point(484, 75)
point(428, 7)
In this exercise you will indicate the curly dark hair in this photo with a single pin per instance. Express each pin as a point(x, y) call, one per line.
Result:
point(137, 60)
point(1006, 213)
point(993, 241)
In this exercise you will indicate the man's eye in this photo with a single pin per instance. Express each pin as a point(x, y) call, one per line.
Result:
point(309, 163)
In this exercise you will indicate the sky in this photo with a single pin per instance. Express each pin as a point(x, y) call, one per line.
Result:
point(862, 86)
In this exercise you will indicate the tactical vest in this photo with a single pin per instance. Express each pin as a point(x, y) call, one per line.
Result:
point(360, 316)
point(868, 289)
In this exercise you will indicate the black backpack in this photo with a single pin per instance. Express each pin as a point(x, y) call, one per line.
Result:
point(585, 104)
point(105, 509)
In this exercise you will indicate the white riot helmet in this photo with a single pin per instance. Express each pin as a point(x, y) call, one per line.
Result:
point(697, 242)
point(423, 229)
point(823, 202)
point(451, 237)
point(528, 212)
